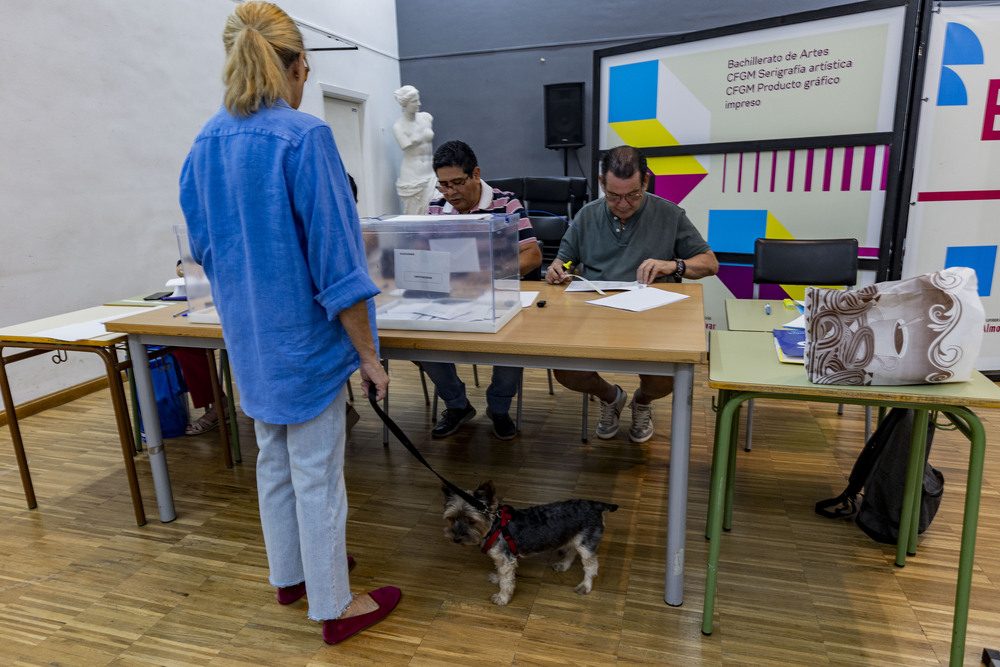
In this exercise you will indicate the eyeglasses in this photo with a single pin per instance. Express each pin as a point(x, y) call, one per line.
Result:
point(444, 186)
point(631, 197)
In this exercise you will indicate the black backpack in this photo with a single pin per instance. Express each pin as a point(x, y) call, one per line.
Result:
point(881, 471)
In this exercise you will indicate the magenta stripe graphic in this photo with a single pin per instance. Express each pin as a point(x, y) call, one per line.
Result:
point(868, 168)
point(739, 177)
point(885, 167)
point(774, 167)
point(756, 171)
point(845, 179)
point(725, 157)
point(828, 170)
point(959, 195)
point(810, 154)
point(791, 170)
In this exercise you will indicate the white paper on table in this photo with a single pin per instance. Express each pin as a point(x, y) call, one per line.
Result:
point(640, 299)
point(91, 329)
point(528, 298)
point(425, 270)
point(593, 285)
point(463, 254)
point(798, 323)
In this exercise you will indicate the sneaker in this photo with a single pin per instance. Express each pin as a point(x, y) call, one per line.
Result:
point(642, 422)
point(452, 419)
point(503, 425)
point(607, 427)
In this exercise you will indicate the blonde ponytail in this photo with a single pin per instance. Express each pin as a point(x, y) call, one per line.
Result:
point(261, 42)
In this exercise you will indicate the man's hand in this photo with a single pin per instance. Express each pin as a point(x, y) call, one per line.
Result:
point(651, 269)
point(556, 274)
point(372, 373)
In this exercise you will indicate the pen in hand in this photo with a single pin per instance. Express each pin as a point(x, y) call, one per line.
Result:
point(567, 267)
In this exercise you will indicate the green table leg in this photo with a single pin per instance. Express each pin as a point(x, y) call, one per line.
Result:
point(914, 483)
point(973, 489)
point(727, 521)
point(722, 399)
point(233, 427)
point(717, 497)
point(136, 428)
point(920, 420)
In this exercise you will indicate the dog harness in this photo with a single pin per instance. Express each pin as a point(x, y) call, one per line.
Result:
point(500, 527)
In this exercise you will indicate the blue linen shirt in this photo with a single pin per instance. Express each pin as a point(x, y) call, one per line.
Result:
point(272, 220)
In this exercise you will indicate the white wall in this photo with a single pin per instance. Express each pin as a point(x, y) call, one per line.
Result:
point(101, 100)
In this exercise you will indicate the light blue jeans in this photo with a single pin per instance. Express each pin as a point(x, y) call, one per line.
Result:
point(451, 389)
point(303, 507)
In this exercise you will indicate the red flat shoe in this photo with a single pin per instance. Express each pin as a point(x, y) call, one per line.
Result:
point(289, 594)
point(338, 629)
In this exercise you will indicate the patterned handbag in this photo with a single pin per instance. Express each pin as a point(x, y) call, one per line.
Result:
point(926, 329)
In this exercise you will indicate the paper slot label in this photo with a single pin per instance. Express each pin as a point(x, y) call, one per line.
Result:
point(427, 270)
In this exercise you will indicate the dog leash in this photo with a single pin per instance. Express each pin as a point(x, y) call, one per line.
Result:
point(398, 432)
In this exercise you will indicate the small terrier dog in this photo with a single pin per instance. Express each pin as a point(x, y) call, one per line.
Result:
point(571, 526)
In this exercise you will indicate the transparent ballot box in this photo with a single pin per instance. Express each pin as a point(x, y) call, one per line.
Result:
point(201, 307)
point(444, 272)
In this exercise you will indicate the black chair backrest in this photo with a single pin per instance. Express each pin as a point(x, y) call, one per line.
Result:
point(549, 230)
point(513, 184)
point(805, 261)
point(557, 195)
point(547, 193)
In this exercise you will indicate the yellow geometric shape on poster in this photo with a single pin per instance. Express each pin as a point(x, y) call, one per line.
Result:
point(776, 230)
point(642, 133)
point(675, 166)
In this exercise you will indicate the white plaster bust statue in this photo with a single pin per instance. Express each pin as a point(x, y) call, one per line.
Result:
point(416, 184)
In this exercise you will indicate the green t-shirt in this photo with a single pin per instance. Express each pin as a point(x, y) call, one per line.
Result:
point(602, 250)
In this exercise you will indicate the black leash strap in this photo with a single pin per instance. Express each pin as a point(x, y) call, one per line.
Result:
point(398, 432)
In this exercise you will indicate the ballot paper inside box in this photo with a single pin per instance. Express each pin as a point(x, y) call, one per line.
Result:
point(201, 306)
point(444, 272)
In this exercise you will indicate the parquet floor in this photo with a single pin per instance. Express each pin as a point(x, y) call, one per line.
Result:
point(81, 585)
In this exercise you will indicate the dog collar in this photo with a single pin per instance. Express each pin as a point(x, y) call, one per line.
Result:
point(500, 528)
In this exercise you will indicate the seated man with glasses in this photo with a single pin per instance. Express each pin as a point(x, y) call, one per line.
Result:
point(629, 235)
point(464, 191)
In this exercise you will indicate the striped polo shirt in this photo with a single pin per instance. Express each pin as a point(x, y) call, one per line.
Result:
point(492, 200)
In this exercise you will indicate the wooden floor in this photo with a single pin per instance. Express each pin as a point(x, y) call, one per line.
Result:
point(81, 584)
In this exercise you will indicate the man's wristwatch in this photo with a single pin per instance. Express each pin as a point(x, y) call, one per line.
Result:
point(679, 271)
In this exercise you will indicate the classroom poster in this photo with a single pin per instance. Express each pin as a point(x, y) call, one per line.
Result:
point(955, 201)
point(833, 76)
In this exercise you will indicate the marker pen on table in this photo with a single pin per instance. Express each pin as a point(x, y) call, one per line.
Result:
point(767, 308)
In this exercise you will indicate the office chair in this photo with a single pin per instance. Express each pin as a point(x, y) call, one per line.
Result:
point(823, 262)
point(549, 230)
point(513, 184)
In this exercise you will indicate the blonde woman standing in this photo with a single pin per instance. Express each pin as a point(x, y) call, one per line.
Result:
point(271, 219)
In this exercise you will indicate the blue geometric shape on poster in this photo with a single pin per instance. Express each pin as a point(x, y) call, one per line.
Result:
point(981, 258)
point(951, 90)
point(632, 92)
point(961, 46)
point(736, 231)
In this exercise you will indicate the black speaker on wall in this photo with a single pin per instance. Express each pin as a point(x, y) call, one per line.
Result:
point(564, 115)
